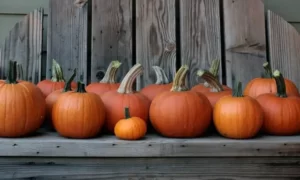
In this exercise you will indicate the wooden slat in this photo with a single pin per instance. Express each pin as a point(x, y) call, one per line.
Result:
point(284, 44)
point(245, 40)
point(24, 45)
point(67, 37)
point(111, 36)
point(155, 38)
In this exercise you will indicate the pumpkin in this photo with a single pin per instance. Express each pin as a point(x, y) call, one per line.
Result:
point(217, 91)
point(205, 87)
point(238, 116)
point(162, 84)
point(22, 106)
point(78, 114)
point(57, 81)
point(281, 111)
point(180, 113)
point(130, 128)
point(108, 83)
point(267, 84)
point(125, 96)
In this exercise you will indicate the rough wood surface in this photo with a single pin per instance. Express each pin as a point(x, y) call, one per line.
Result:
point(51, 145)
point(212, 168)
point(284, 45)
point(245, 40)
point(200, 35)
point(24, 45)
point(111, 36)
point(155, 38)
point(67, 38)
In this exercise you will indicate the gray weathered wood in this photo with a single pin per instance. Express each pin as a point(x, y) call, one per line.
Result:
point(245, 40)
point(67, 37)
point(284, 45)
point(200, 35)
point(24, 45)
point(155, 38)
point(111, 36)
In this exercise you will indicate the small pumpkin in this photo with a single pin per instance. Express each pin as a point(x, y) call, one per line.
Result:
point(22, 106)
point(78, 114)
point(180, 113)
point(238, 116)
point(162, 84)
point(108, 83)
point(130, 128)
point(57, 82)
point(281, 111)
point(267, 84)
point(125, 96)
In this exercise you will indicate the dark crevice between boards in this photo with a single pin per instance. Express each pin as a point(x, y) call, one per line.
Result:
point(133, 37)
point(89, 40)
point(177, 32)
point(223, 47)
point(267, 37)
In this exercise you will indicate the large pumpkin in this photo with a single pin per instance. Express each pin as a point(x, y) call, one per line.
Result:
point(57, 81)
point(281, 111)
point(180, 113)
point(108, 83)
point(78, 114)
point(267, 84)
point(125, 96)
point(162, 84)
point(22, 106)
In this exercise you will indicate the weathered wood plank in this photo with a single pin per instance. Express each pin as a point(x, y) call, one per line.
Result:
point(111, 36)
point(245, 41)
point(284, 45)
point(67, 37)
point(200, 35)
point(24, 45)
point(212, 168)
point(155, 38)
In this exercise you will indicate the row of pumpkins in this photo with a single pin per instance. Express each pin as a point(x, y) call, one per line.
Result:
point(270, 103)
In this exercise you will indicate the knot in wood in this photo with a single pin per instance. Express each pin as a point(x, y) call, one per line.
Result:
point(80, 3)
point(170, 47)
point(100, 74)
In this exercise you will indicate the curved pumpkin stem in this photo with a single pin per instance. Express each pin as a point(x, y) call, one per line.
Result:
point(110, 74)
point(12, 73)
point(237, 91)
point(68, 84)
point(280, 84)
point(20, 72)
point(214, 70)
point(126, 84)
point(211, 80)
point(57, 72)
point(179, 80)
point(161, 77)
point(268, 70)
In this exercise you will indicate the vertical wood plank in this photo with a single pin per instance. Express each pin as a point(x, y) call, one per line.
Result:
point(200, 35)
point(111, 36)
point(284, 47)
point(245, 40)
point(155, 38)
point(67, 38)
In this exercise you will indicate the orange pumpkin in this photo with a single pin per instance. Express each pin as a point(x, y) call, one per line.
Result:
point(130, 128)
point(162, 84)
point(22, 106)
point(57, 82)
point(78, 114)
point(238, 116)
point(267, 84)
point(108, 83)
point(180, 113)
point(125, 96)
point(281, 111)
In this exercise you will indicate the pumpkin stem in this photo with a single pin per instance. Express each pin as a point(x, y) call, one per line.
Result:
point(179, 79)
point(280, 84)
point(161, 77)
point(12, 73)
point(211, 80)
point(68, 84)
point(127, 113)
point(268, 70)
point(237, 91)
point(57, 72)
point(80, 87)
point(19, 72)
point(214, 70)
point(127, 82)
point(110, 74)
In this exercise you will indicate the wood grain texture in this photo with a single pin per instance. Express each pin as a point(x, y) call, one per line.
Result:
point(24, 45)
point(245, 40)
point(155, 38)
point(111, 36)
point(212, 168)
point(200, 35)
point(284, 45)
point(67, 38)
